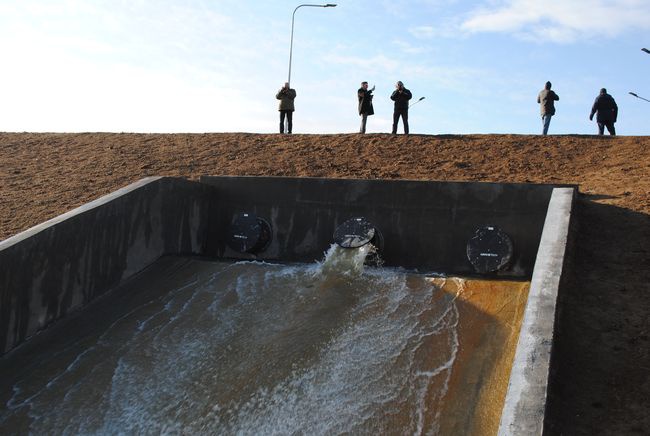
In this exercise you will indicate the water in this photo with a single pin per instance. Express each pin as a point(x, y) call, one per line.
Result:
point(252, 348)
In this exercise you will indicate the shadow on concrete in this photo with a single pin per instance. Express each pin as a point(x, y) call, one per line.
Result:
point(601, 354)
point(596, 197)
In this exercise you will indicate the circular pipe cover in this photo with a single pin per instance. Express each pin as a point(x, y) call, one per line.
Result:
point(249, 234)
point(354, 233)
point(489, 250)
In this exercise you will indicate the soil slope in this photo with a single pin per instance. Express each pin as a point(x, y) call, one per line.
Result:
point(601, 380)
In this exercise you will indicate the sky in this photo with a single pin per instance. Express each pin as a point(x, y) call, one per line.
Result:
point(172, 66)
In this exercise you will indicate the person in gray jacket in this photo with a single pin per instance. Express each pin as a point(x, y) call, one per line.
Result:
point(607, 112)
point(286, 95)
point(546, 99)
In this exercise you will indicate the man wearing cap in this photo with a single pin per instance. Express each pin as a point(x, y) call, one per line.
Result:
point(401, 97)
point(546, 99)
point(607, 112)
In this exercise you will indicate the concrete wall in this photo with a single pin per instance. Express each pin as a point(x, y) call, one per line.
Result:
point(64, 263)
point(425, 225)
point(525, 404)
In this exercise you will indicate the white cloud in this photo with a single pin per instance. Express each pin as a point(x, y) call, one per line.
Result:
point(405, 47)
point(423, 32)
point(443, 27)
point(401, 8)
point(560, 20)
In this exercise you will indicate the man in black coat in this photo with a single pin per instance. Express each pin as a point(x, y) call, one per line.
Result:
point(365, 104)
point(401, 97)
point(607, 112)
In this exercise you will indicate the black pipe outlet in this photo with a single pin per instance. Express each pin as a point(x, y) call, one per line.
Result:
point(249, 234)
point(489, 250)
point(357, 232)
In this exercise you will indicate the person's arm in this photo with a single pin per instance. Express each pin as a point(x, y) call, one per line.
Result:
point(594, 109)
point(538, 99)
point(393, 96)
point(615, 110)
point(555, 96)
point(408, 94)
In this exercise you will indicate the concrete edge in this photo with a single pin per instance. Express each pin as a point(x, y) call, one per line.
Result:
point(12, 240)
point(525, 404)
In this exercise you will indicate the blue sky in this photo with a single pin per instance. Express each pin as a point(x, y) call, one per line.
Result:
point(215, 65)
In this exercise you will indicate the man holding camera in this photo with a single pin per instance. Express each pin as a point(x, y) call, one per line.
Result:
point(365, 104)
point(401, 97)
point(286, 95)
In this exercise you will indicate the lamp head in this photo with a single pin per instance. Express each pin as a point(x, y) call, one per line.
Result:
point(330, 5)
point(645, 50)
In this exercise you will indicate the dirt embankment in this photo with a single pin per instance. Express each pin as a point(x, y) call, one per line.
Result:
point(602, 380)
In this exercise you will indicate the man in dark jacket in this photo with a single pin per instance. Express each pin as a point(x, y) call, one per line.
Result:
point(401, 97)
point(546, 99)
point(365, 104)
point(607, 112)
point(286, 95)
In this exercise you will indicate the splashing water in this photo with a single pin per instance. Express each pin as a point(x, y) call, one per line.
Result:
point(346, 261)
point(254, 348)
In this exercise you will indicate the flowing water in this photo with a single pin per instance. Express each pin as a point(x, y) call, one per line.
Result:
point(250, 348)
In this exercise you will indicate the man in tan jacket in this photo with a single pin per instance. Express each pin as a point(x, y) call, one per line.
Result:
point(286, 95)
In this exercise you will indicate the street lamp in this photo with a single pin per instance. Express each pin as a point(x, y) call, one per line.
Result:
point(328, 5)
point(638, 96)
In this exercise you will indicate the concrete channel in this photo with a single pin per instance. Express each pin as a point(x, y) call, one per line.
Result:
point(56, 270)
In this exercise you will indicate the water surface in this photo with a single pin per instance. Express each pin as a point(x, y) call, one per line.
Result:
point(191, 346)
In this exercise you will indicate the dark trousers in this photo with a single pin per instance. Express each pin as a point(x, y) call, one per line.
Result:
point(609, 125)
point(364, 120)
point(289, 115)
point(404, 113)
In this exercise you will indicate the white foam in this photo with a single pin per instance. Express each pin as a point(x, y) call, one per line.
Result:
point(346, 261)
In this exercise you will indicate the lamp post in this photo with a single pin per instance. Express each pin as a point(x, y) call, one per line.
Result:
point(638, 96)
point(328, 5)
point(416, 102)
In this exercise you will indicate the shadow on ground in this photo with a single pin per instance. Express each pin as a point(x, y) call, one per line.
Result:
point(599, 378)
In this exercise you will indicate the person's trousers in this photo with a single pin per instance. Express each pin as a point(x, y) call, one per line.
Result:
point(609, 125)
point(404, 113)
point(289, 115)
point(364, 119)
point(546, 121)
